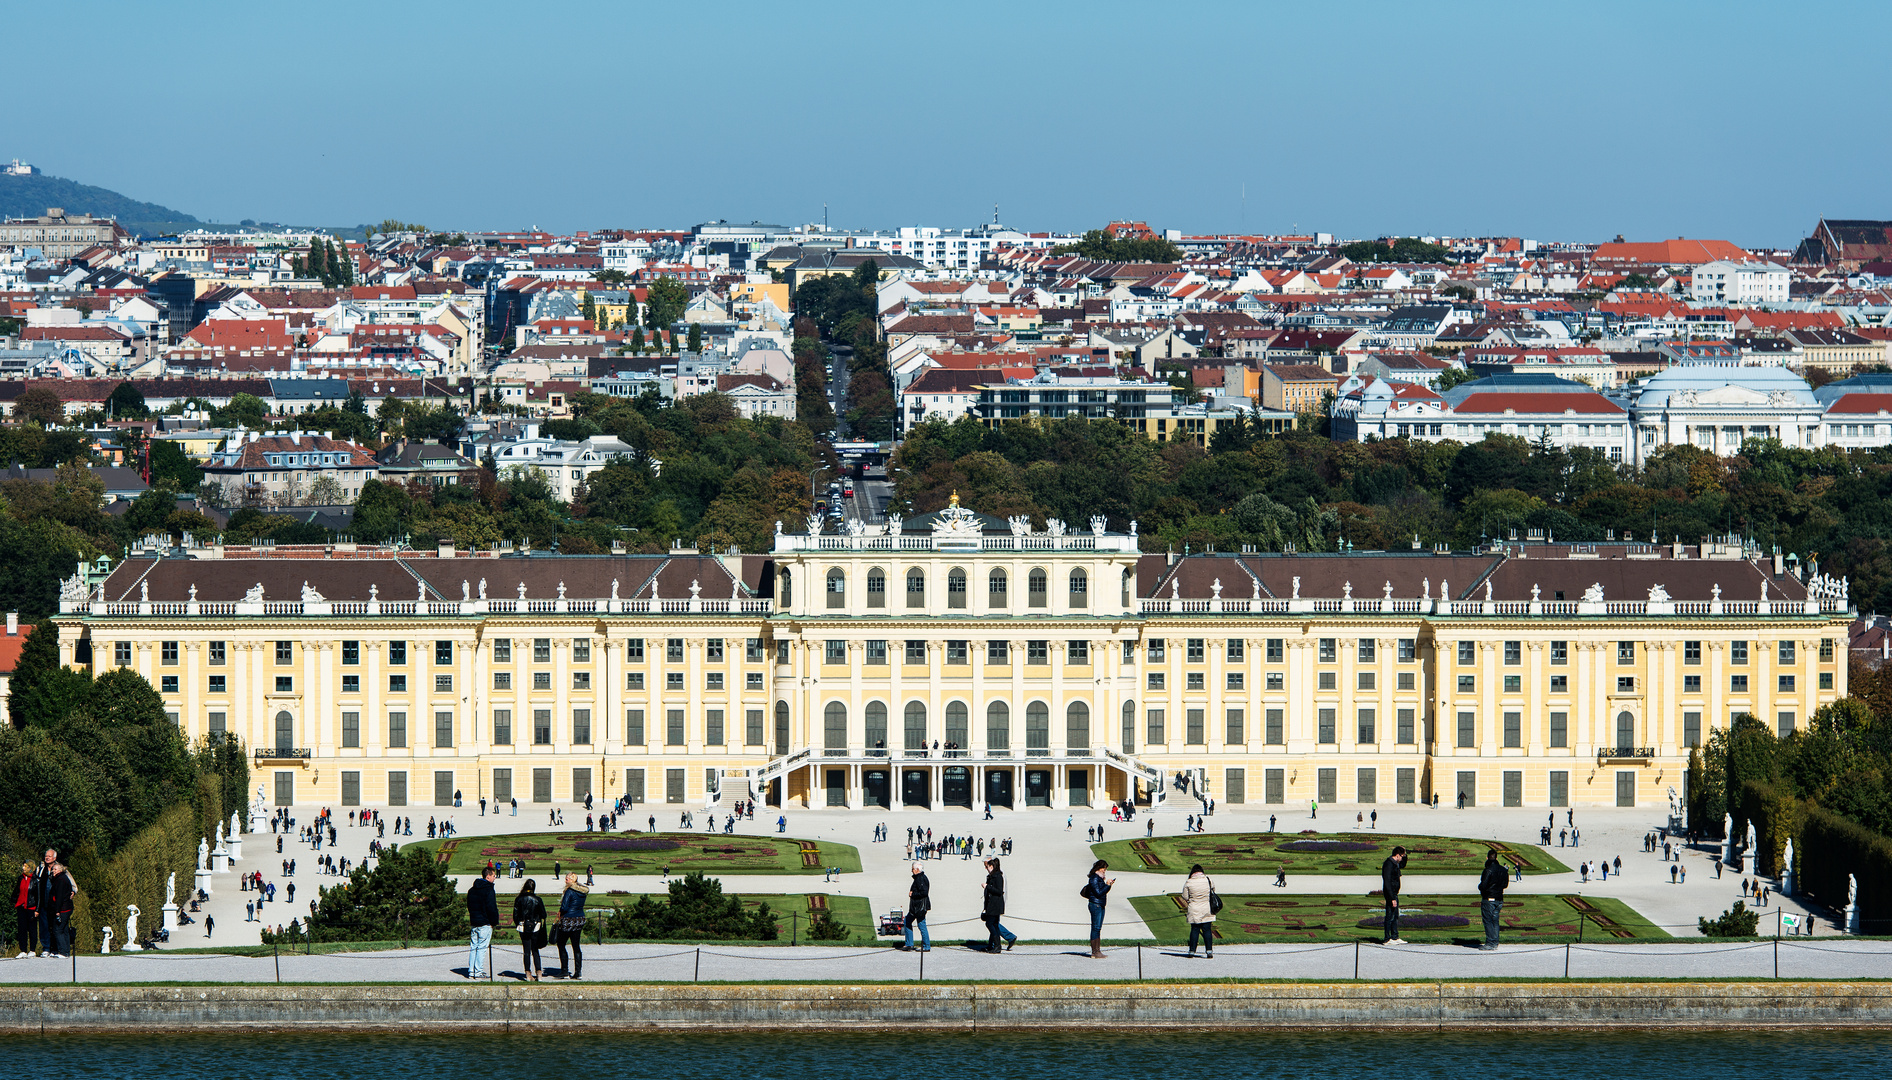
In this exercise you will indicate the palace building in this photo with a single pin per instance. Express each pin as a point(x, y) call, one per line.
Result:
point(954, 659)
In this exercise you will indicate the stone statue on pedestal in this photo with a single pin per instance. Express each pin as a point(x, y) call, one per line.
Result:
point(203, 854)
point(170, 888)
point(131, 924)
point(1753, 853)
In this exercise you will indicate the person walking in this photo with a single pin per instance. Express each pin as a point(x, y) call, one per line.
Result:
point(42, 901)
point(919, 902)
point(1491, 884)
point(993, 908)
point(210, 924)
point(571, 926)
point(1096, 892)
point(26, 912)
point(1198, 894)
point(528, 917)
point(482, 911)
point(1389, 890)
point(60, 891)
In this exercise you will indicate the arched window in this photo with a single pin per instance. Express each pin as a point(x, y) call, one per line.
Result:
point(285, 731)
point(956, 732)
point(1080, 589)
point(916, 588)
point(956, 588)
point(785, 595)
point(916, 725)
point(834, 727)
point(837, 588)
point(1037, 727)
point(995, 589)
point(998, 726)
point(781, 727)
point(1625, 730)
point(1077, 726)
point(876, 735)
point(1129, 582)
point(876, 588)
point(1129, 727)
point(1035, 586)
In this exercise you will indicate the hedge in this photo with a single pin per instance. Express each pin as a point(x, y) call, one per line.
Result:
point(1828, 848)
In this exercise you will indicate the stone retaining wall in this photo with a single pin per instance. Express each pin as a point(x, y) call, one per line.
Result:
point(949, 1005)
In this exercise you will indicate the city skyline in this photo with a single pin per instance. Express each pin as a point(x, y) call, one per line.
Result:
point(1462, 120)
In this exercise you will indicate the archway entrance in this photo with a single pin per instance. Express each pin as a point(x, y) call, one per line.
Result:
point(285, 731)
point(955, 786)
point(1037, 787)
point(998, 787)
point(875, 788)
point(914, 788)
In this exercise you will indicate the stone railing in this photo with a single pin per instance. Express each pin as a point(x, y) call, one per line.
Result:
point(329, 608)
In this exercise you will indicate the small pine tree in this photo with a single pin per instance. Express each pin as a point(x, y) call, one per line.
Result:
point(588, 307)
point(317, 264)
point(637, 339)
point(696, 337)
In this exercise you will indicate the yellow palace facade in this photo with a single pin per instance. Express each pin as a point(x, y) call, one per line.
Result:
point(956, 659)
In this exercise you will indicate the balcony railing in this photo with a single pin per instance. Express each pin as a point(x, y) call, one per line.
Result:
point(331, 608)
point(1625, 753)
point(281, 753)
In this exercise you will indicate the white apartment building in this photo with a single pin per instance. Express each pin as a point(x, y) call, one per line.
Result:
point(565, 465)
point(1725, 282)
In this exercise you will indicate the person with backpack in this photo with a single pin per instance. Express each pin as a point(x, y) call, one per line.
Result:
point(993, 908)
point(1201, 904)
point(1096, 893)
point(1491, 884)
point(919, 902)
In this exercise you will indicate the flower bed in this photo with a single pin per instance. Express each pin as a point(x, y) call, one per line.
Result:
point(629, 843)
point(1416, 922)
point(1326, 847)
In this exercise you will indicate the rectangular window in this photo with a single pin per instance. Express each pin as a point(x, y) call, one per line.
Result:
point(916, 652)
point(712, 650)
point(1194, 679)
point(443, 729)
point(1625, 684)
point(581, 726)
point(633, 680)
point(634, 727)
point(996, 652)
point(397, 730)
point(956, 652)
point(1467, 684)
point(217, 684)
point(1786, 684)
point(1625, 652)
point(1329, 650)
point(673, 785)
point(1368, 680)
point(1737, 684)
point(1236, 650)
point(1737, 652)
point(1560, 730)
point(1405, 731)
point(351, 730)
point(1078, 652)
point(673, 650)
point(285, 652)
point(1407, 680)
point(1513, 653)
point(1467, 728)
point(1513, 684)
point(1129, 652)
point(167, 653)
point(443, 787)
point(1408, 650)
point(752, 650)
point(1237, 733)
point(1691, 730)
point(285, 684)
point(1691, 652)
point(1277, 649)
point(1367, 650)
point(581, 650)
point(502, 785)
point(1467, 653)
point(1327, 785)
point(1156, 650)
point(1826, 650)
point(121, 653)
point(541, 785)
point(217, 723)
point(1235, 680)
point(1826, 680)
point(167, 684)
point(877, 652)
point(1513, 788)
point(216, 654)
point(1367, 785)
point(752, 727)
point(1235, 786)
point(634, 651)
point(1788, 653)
point(1559, 653)
point(1195, 650)
point(1037, 652)
point(834, 652)
point(1368, 726)
point(443, 653)
point(713, 727)
point(781, 652)
point(673, 680)
point(502, 680)
point(1277, 680)
point(351, 788)
point(1153, 729)
point(1273, 786)
point(397, 789)
point(397, 653)
point(502, 650)
point(1513, 730)
point(754, 680)
point(1405, 785)
point(1560, 684)
point(541, 727)
point(1276, 729)
point(443, 684)
point(673, 727)
point(502, 727)
point(1560, 788)
point(1691, 684)
point(1193, 728)
point(1327, 734)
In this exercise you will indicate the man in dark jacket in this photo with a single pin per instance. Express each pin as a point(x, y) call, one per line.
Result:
point(1491, 885)
point(919, 902)
point(1389, 887)
point(994, 908)
point(41, 893)
point(482, 910)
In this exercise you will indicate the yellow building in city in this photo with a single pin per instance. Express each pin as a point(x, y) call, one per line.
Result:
point(955, 659)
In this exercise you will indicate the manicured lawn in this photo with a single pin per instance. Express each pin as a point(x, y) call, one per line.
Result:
point(643, 853)
point(1351, 852)
point(1279, 918)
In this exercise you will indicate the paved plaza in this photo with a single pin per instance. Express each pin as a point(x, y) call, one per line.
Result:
point(1043, 875)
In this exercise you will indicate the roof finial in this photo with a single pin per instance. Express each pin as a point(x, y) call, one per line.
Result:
point(954, 501)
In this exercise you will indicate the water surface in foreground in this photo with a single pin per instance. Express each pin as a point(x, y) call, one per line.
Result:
point(931, 1055)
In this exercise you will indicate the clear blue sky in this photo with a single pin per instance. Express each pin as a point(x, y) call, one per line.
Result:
point(1735, 120)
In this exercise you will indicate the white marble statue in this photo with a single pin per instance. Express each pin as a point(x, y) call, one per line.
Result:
point(466, 590)
point(1658, 594)
point(1786, 869)
point(1487, 590)
point(170, 889)
point(1019, 524)
point(813, 522)
point(614, 588)
point(131, 924)
point(1753, 853)
point(1098, 523)
point(105, 939)
point(1297, 587)
point(309, 595)
point(482, 588)
point(1593, 594)
point(203, 854)
point(254, 595)
point(233, 825)
point(422, 597)
point(1055, 526)
point(219, 846)
point(1852, 903)
point(1727, 839)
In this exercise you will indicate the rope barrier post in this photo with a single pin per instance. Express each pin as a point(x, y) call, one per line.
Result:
point(73, 955)
point(794, 927)
point(1139, 961)
point(923, 953)
point(277, 947)
point(1566, 959)
point(1356, 958)
point(697, 976)
point(1580, 926)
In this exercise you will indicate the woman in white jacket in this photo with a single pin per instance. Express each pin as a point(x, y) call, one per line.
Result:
point(1195, 893)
